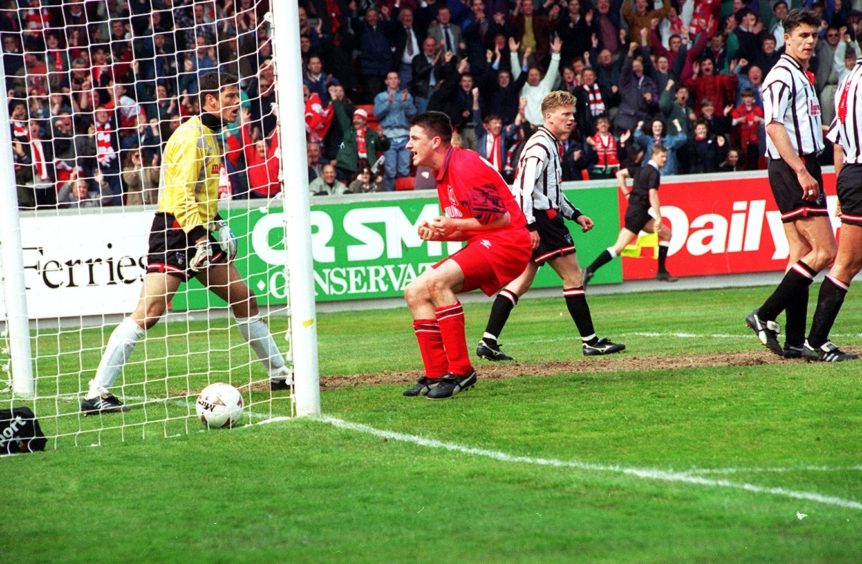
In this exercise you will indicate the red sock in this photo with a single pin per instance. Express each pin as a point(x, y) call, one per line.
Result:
point(431, 347)
point(451, 320)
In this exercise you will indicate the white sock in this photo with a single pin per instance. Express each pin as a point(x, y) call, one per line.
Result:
point(120, 346)
point(258, 336)
point(612, 252)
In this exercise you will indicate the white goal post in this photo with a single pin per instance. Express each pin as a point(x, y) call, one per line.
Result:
point(71, 273)
point(299, 258)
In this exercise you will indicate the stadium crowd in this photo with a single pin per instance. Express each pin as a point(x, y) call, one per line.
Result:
point(96, 87)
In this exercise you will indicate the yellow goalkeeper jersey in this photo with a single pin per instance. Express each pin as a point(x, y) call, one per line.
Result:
point(189, 180)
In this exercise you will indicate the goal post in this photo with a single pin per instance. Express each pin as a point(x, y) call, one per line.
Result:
point(17, 326)
point(92, 109)
point(297, 206)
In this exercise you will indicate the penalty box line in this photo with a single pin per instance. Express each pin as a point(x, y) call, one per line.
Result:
point(641, 473)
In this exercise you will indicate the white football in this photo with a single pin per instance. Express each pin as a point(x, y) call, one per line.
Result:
point(219, 405)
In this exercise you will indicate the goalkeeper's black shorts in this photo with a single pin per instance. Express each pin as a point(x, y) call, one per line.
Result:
point(171, 248)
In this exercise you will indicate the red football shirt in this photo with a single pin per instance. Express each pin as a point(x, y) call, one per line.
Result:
point(468, 186)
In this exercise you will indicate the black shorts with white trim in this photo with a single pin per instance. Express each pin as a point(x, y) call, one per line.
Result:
point(788, 192)
point(171, 248)
point(555, 240)
point(850, 194)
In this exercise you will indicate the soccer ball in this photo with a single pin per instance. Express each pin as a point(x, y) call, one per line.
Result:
point(219, 405)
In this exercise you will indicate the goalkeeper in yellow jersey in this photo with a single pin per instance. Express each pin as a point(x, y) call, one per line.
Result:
point(188, 240)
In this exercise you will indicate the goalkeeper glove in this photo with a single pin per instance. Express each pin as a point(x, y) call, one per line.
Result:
point(226, 239)
point(203, 255)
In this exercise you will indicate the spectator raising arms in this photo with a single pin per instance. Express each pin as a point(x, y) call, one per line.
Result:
point(705, 83)
point(638, 92)
point(360, 145)
point(261, 161)
point(428, 71)
point(80, 193)
point(660, 138)
point(537, 87)
point(639, 17)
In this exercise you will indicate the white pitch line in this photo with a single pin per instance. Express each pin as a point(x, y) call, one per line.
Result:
point(643, 473)
point(683, 335)
point(777, 470)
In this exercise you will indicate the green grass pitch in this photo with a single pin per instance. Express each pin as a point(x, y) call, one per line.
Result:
point(694, 445)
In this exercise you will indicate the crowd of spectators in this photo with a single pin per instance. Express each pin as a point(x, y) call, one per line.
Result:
point(685, 74)
point(96, 87)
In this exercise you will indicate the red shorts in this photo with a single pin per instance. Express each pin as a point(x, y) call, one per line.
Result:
point(490, 262)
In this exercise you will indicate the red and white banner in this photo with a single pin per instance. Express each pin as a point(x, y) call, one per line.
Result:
point(721, 226)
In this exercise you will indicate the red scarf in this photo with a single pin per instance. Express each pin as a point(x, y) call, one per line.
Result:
point(104, 149)
point(39, 164)
point(606, 151)
point(597, 105)
point(19, 130)
point(317, 118)
point(361, 147)
point(496, 152)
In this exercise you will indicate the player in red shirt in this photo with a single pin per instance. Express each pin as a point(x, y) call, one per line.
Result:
point(479, 209)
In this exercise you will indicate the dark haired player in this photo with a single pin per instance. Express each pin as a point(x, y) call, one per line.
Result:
point(477, 208)
point(188, 240)
point(794, 139)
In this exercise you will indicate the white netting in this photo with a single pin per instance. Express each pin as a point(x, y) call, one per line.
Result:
point(96, 89)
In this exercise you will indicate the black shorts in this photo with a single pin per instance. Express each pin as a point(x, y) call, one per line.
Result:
point(788, 192)
point(554, 237)
point(637, 216)
point(171, 248)
point(850, 194)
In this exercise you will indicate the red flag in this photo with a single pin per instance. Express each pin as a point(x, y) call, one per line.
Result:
point(317, 118)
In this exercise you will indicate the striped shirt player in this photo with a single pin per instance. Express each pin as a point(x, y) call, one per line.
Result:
point(538, 190)
point(789, 98)
point(182, 246)
point(845, 134)
point(794, 139)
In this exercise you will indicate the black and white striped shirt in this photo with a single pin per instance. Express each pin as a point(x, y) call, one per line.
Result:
point(538, 185)
point(789, 98)
point(845, 127)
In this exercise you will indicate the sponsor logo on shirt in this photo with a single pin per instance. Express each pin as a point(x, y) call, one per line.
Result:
point(813, 107)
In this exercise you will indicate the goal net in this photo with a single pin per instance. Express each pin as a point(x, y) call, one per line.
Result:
point(142, 133)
